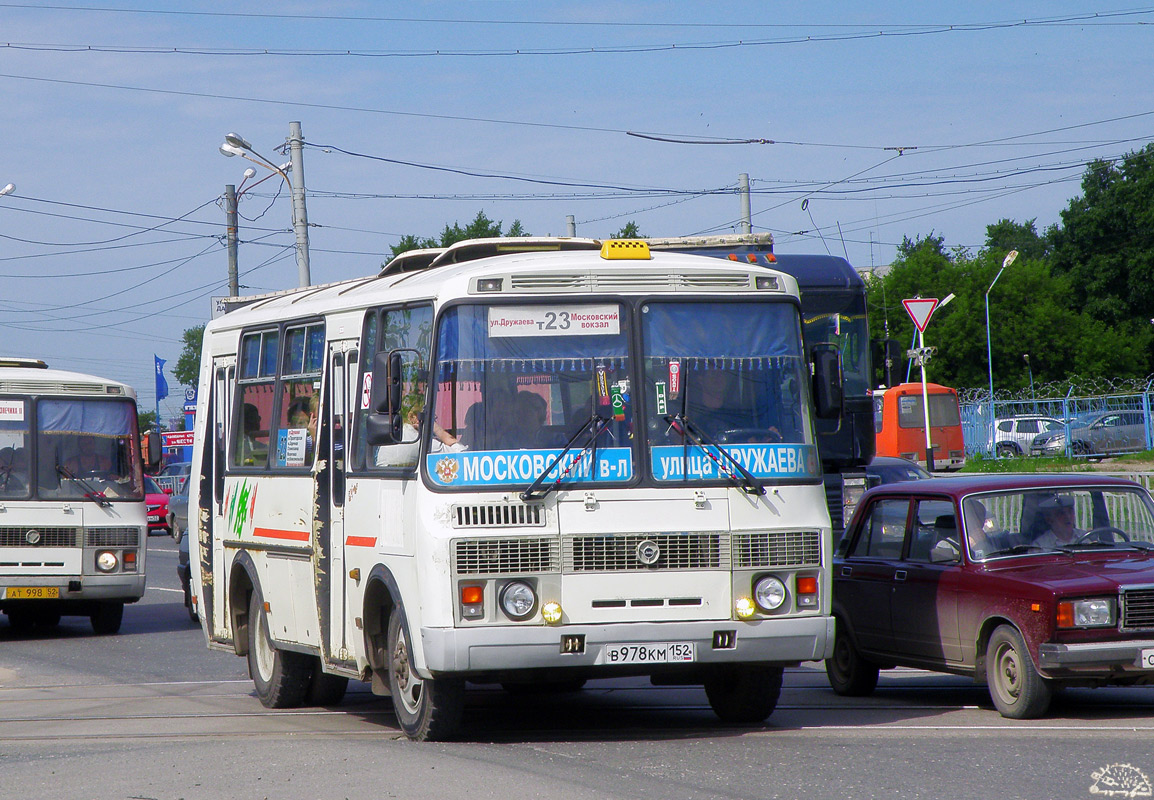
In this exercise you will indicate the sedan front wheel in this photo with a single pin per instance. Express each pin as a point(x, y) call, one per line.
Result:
point(1016, 688)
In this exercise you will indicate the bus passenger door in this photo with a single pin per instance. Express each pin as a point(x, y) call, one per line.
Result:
point(214, 596)
point(342, 374)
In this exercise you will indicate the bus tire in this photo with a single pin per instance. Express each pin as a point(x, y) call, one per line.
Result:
point(325, 689)
point(281, 677)
point(744, 694)
point(107, 618)
point(22, 620)
point(428, 710)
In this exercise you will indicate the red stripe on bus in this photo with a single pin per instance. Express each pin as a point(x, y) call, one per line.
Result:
point(361, 541)
point(273, 533)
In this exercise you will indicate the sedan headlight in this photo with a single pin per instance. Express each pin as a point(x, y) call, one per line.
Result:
point(1095, 612)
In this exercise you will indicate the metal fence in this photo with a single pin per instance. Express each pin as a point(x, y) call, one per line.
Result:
point(1094, 426)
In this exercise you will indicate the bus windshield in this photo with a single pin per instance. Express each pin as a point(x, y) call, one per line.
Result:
point(515, 384)
point(533, 389)
point(86, 448)
point(839, 318)
point(730, 374)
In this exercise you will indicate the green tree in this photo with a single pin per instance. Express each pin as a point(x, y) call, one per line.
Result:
point(1105, 246)
point(187, 369)
point(629, 231)
point(145, 420)
point(480, 228)
point(1007, 235)
point(1031, 311)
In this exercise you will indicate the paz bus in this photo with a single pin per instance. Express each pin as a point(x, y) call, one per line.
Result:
point(515, 461)
point(73, 524)
point(900, 424)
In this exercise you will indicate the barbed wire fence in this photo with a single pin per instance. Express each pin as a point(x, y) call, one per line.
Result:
point(1073, 401)
point(1072, 386)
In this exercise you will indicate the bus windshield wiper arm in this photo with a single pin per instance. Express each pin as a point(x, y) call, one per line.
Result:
point(90, 491)
point(594, 427)
point(730, 467)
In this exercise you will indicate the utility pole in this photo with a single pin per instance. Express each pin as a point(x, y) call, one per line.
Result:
point(300, 216)
point(570, 226)
point(230, 218)
point(746, 211)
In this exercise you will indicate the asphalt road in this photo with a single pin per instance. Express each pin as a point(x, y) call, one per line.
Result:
point(152, 713)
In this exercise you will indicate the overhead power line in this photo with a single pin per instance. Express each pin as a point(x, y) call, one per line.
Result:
point(626, 24)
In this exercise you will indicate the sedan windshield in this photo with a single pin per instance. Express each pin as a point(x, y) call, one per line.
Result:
point(1035, 521)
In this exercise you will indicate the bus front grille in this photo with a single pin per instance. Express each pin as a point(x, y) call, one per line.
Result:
point(498, 515)
point(646, 551)
point(504, 556)
point(778, 549)
point(33, 536)
point(112, 537)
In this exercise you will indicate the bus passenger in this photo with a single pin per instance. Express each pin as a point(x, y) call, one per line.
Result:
point(87, 460)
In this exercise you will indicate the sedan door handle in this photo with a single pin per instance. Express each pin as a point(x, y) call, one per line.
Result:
point(900, 575)
point(846, 571)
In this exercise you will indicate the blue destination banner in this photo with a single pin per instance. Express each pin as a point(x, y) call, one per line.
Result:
point(522, 467)
point(762, 461)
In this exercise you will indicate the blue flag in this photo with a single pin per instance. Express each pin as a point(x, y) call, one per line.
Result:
point(161, 383)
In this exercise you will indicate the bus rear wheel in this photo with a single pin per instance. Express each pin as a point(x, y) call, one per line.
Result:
point(428, 709)
point(281, 677)
point(744, 694)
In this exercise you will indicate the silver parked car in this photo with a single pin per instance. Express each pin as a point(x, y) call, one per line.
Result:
point(1098, 434)
point(1013, 436)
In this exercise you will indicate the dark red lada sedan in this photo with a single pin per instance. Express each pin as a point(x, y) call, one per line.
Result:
point(1028, 582)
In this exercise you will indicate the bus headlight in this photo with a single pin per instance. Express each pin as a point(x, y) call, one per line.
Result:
point(106, 561)
point(518, 600)
point(769, 592)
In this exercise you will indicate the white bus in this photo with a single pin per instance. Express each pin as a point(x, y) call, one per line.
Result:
point(580, 460)
point(73, 524)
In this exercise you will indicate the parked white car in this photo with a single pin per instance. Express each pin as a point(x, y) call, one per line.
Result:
point(1013, 436)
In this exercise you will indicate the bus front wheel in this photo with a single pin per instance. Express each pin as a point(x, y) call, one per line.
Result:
point(428, 709)
point(744, 694)
point(107, 617)
point(281, 677)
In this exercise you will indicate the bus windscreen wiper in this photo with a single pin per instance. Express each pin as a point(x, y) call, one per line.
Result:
point(594, 427)
point(90, 491)
point(729, 467)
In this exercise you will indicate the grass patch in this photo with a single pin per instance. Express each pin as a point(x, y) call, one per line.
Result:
point(982, 464)
point(1137, 462)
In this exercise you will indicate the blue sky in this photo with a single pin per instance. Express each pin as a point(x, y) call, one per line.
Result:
point(892, 121)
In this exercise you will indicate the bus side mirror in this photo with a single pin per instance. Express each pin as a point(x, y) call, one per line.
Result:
point(386, 394)
point(383, 424)
point(153, 454)
point(827, 381)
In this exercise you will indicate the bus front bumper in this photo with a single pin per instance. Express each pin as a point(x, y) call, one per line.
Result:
point(518, 647)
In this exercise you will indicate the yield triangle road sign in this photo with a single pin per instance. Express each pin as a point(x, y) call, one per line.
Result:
point(920, 310)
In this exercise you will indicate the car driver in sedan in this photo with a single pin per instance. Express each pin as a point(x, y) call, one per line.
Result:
point(1058, 513)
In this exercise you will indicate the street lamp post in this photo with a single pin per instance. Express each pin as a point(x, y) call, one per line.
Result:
point(237, 145)
point(1030, 371)
point(1007, 261)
